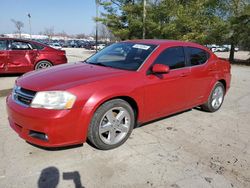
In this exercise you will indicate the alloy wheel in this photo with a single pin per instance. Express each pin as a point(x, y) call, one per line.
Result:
point(114, 125)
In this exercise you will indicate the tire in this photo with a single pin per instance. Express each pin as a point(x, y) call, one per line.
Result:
point(43, 64)
point(111, 125)
point(215, 99)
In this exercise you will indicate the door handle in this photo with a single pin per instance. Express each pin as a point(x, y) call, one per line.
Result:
point(211, 69)
point(184, 74)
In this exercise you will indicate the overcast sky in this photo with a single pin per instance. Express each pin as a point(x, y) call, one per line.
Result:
point(71, 16)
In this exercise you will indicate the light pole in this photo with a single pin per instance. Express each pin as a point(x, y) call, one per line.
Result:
point(144, 19)
point(96, 28)
point(29, 24)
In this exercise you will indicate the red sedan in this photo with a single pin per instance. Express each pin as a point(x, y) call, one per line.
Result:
point(106, 96)
point(19, 56)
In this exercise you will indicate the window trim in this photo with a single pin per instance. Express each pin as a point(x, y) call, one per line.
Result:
point(188, 64)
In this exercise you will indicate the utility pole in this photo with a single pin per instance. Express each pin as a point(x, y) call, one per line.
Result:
point(29, 23)
point(96, 28)
point(144, 19)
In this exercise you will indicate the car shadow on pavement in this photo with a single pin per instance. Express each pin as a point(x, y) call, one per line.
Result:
point(50, 178)
point(11, 75)
point(200, 109)
point(165, 117)
point(56, 148)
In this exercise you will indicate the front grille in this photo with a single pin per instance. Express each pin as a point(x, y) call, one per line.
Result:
point(23, 96)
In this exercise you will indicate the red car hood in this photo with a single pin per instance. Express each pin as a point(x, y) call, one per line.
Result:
point(63, 77)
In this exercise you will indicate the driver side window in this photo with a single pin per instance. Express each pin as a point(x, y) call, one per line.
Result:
point(173, 57)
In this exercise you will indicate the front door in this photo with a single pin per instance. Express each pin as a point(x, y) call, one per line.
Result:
point(20, 57)
point(167, 93)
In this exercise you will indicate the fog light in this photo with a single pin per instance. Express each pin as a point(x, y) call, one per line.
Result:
point(39, 135)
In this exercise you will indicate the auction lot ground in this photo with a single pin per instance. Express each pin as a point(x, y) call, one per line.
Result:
point(191, 149)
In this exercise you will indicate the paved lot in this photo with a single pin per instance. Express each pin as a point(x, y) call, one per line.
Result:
point(191, 149)
point(240, 55)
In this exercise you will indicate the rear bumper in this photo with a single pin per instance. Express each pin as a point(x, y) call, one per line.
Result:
point(62, 127)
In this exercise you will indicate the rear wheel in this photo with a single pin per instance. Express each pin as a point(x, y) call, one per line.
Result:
point(111, 124)
point(215, 99)
point(43, 65)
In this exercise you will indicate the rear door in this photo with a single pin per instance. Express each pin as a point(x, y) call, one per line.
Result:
point(3, 54)
point(167, 93)
point(202, 74)
point(21, 56)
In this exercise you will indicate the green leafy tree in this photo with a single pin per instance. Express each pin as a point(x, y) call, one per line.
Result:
point(202, 21)
point(238, 24)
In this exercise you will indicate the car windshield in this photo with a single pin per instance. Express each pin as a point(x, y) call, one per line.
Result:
point(124, 55)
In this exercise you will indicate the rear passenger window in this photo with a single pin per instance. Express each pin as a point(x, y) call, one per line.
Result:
point(197, 56)
point(3, 44)
point(37, 46)
point(173, 57)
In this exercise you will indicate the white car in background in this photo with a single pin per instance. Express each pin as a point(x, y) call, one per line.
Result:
point(100, 46)
point(56, 46)
point(223, 48)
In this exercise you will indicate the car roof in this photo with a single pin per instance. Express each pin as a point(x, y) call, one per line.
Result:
point(167, 42)
point(6, 38)
point(24, 40)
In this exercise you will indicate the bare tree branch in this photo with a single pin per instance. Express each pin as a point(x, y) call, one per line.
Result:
point(19, 25)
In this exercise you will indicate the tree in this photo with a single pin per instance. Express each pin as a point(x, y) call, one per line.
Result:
point(104, 33)
point(81, 36)
point(117, 17)
point(195, 20)
point(238, 24)
point(49, 32)
point(202, 21)
point(19, 25)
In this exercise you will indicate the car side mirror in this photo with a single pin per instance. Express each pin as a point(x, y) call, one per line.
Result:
point(160, 69)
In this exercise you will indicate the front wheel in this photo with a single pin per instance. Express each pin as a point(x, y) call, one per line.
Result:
point(111, 124)
point(215, 99)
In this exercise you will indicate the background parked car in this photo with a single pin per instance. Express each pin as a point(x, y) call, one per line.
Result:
point(222, 48)
point(56, 46)
point(19, 56)
point(99, 46)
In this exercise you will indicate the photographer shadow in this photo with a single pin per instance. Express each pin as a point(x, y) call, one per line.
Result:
point(50, 178)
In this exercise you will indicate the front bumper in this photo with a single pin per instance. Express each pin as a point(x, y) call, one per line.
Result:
point(61, 127)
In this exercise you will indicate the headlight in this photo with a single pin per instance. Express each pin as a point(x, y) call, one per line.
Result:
point(53, 100)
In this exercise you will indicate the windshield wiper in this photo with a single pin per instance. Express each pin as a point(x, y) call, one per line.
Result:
point(100, 64)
